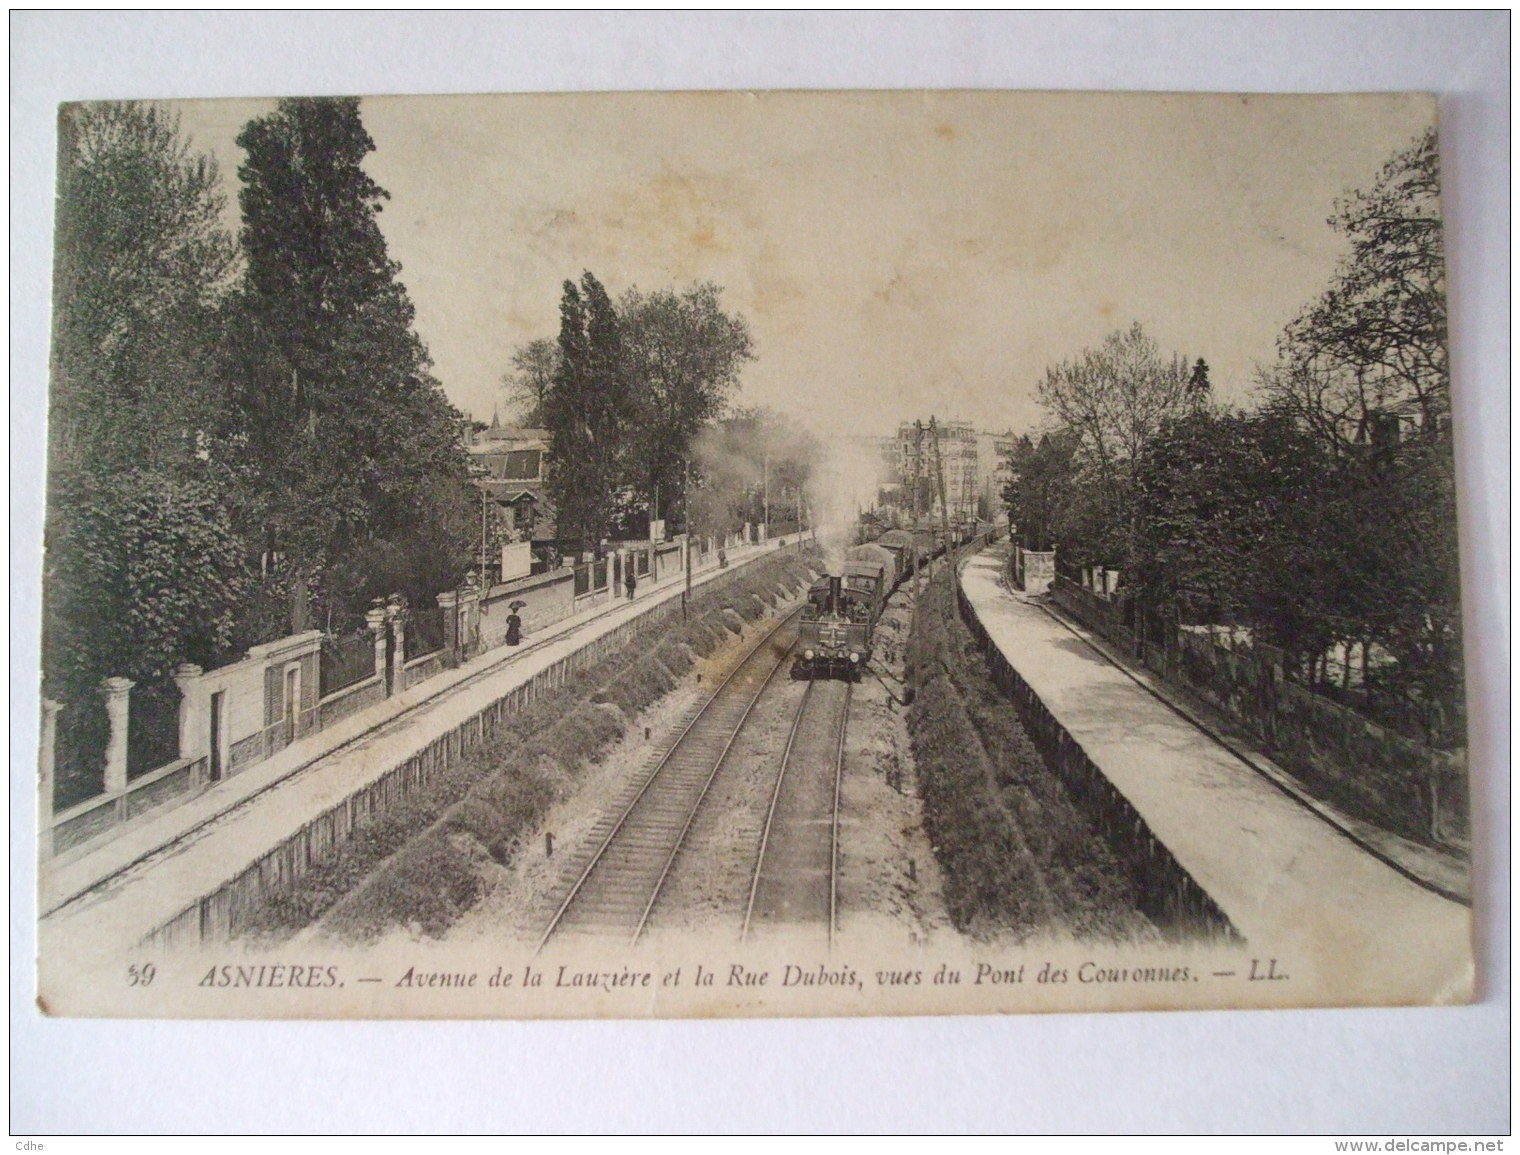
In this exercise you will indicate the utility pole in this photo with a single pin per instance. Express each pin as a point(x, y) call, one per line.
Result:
point(765, 490)
point(686, 513)
point(939, 473)
point(918, 457)
point(944, 506)
point(484, 497)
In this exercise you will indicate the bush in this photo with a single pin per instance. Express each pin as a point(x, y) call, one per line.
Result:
point(1017, 850)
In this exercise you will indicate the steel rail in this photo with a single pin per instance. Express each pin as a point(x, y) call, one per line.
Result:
point(844, 725)
point(697, 805)
point(770, 814)
point(654, 774)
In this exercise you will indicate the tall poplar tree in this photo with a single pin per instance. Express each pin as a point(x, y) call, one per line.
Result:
point(143, 569)
point(142, 264)
point(354, 455)
point(588, 411)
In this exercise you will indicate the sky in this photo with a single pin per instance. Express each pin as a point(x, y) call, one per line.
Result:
point(896, 254)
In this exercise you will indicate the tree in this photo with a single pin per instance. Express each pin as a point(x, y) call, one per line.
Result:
point(534, 365)
point(341, 435)
point(142, 263)
point(1376, 339)
point(684, 358)
point(161, 552)
point(589, 411)
point(1040, 494)
point(1364, 370)
point(1198, 379)
point(1114, 399)
point(143, 569)
point(1226, 504)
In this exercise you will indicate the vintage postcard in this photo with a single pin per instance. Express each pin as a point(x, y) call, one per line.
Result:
point(750, 554)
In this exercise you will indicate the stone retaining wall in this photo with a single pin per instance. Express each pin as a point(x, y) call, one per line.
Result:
point(1172, 898)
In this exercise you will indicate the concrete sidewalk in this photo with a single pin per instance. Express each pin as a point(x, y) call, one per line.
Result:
point(125, 888)
point(1291, 882)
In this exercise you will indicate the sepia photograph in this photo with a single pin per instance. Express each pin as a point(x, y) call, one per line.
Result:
point(750, 554)
point(359, 358)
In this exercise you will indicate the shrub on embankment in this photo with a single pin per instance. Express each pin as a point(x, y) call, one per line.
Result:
point(1017, 852)
point(418, 863)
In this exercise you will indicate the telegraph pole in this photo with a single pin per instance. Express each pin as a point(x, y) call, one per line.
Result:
point(484, 581)
point(765, 490)
point(686, 513)
point(944, 506)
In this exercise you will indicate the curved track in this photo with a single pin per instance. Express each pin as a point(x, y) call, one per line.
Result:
point(630, 854)
point(796, 869)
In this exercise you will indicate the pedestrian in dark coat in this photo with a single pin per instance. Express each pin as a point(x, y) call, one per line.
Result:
point(629, 581)
point(514, 629)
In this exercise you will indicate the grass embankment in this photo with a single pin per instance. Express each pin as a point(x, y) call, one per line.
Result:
point(1018, 854)
point(415, 864)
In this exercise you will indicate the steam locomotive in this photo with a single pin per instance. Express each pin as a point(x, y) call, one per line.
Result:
point(839, 620)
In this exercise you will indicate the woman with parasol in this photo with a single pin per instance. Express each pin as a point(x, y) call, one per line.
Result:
point(514, 622)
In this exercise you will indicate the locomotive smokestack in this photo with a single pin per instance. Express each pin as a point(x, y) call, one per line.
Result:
point(835, 582)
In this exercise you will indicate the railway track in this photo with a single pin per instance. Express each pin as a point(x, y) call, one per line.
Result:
point(618, 878)
point(797, 866)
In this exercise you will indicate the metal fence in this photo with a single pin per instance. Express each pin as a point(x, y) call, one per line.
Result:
point(152, 727)
point(424, 632)
point(79, 750)
point(347, 660)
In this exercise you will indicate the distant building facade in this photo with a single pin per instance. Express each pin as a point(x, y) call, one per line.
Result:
point(975, 467)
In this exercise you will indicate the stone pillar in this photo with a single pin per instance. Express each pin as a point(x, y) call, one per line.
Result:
point(46, 741)
point(448, 602)
point(461, 609)
point(469, 618)
point(194, 741)
point(375, 620)
point(117, 693)
point(395, 614)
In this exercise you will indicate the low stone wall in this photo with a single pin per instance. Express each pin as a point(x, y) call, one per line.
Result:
point(550, 598)
point(1366, 769)
point(421, 669)
point(173, 782)
point(351, 699)
point(225, 908)
point(1107, 616)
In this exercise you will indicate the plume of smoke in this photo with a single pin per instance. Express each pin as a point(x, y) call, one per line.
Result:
point(749, 461)
point(757, 454)
point(846, 481)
